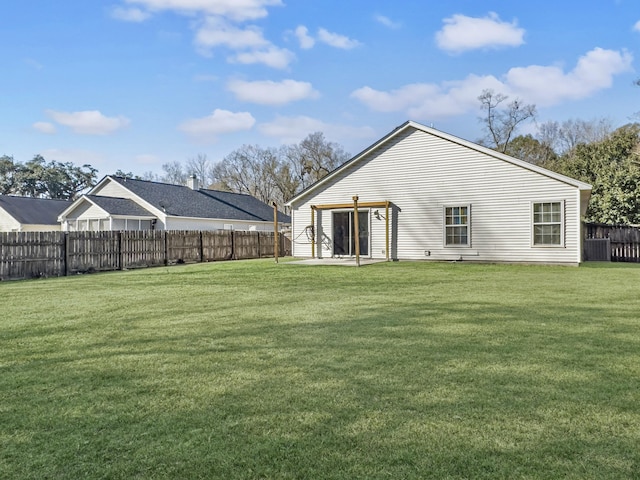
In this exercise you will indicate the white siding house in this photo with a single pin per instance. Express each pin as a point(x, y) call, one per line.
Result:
point(117, 203)
point(424, 194)
point(26, 214)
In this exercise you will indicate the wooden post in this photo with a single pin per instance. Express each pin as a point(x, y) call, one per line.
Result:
point(66, 254)
point(166, 247)
point(386, 219)
point(313, 232)
point(356, 228)
point(275, 231)
point(120, 255)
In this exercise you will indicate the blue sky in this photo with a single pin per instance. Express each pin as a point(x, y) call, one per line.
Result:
point(133, 84)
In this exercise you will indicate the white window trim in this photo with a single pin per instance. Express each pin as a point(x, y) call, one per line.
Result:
point(562, 224)
point(444, 225)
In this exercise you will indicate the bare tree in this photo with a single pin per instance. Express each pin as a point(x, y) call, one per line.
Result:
point(313, 158)
point(247, 170)
point(151, 176)
point(564, 137)
point(276, 175)
point(502, 123)
point(200, 166)
point(174, 173)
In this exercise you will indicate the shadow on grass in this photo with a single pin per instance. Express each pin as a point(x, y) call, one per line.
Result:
point(420, 389)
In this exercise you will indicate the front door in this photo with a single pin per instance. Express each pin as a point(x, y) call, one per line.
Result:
point(344, 240)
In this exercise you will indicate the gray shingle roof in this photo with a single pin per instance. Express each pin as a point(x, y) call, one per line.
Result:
point(119, 206)
point(181, 201)
point(33, 211)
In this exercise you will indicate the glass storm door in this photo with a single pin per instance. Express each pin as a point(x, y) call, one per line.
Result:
point(344, 240)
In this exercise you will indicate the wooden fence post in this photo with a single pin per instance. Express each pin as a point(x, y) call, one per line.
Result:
point(166, 247)
point(120, 259)
point(259, 250)
point(66, 254)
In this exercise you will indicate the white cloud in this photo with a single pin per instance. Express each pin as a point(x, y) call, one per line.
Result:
point(130, 14)
point(248, 42)
point(237, 10)
point(217, 24)
point(219, 122)
point(89, 122)
point(267, 92)
point(387, 22)
point(429, 100)
point(45, 127)
point(336, 40)
point(540, 85)
point(461, 33)
point(294, 129)
point(273, 57)
point(216, 32)
point(636, 27)
point(306, 41)
point(551, 85)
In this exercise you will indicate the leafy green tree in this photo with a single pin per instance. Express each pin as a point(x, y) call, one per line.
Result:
point(123, 174)
point(530, 150)
point(612, 167)
point(39, 178)
point(8, 169)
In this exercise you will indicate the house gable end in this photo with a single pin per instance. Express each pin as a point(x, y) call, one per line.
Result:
point(410, 127)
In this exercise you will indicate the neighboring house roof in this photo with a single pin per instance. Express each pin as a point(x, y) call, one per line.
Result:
point(445, 136)
point(33, 211)
point(182, 201)
point(119, 206)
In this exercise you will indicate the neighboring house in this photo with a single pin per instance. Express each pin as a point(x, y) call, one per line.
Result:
point(26, 214)
point(424, 194)
point(118, 203)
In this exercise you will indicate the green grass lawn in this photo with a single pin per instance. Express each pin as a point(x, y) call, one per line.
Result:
point(243, 370)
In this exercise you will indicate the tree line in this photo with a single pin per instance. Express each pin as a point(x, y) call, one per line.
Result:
point(588, 150)
point(591, 151)
point(39, 178)
point(269, 174)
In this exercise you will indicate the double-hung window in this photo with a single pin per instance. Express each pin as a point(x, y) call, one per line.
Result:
point(548, 223)
point(457, 226)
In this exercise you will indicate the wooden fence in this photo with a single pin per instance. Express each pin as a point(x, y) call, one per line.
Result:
point(54, 254)
point(615, 243)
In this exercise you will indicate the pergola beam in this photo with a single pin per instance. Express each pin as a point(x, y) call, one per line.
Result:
point(337, 206)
